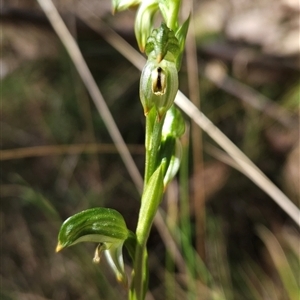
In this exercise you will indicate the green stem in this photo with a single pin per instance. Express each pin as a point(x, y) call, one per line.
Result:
point(141, 268)
point(150, 201)
point(153, 141)
point(148, 142)
point(152, 193)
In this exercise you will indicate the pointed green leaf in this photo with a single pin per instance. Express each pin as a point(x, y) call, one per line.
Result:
point(170, 152)
point(174, 124)
point(181, 34)
point(174, 163)
point(162, 44)
point(150, 201)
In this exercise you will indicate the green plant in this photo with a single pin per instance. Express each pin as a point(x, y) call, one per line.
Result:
point(164, 126)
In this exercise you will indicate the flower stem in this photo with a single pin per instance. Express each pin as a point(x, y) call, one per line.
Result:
point(141, 270)
point(153, 140)
point(150, 201)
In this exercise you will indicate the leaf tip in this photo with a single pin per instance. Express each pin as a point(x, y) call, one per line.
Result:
point(58, 247)
point(159, 57)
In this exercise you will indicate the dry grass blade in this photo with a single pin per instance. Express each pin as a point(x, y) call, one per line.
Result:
point(244, 163)
point(65, 149)
point(113, 38)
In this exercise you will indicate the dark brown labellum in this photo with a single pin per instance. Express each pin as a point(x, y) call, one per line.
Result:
point(158, 81)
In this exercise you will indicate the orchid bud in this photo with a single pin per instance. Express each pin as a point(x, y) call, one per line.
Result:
point(119, 5)
point(158, 86)
point(169, 10)
point(144, 22)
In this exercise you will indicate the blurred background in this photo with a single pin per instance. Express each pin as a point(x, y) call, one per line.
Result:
point(57, 158)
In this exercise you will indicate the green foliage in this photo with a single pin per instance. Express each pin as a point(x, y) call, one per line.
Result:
point(181, 34)
point(174, 124)
point(151, 199)
point(171, 148)
point(167, 41)
point(149, 204)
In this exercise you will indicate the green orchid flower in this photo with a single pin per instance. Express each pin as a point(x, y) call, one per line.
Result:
point(158, 86)
point(101, 225)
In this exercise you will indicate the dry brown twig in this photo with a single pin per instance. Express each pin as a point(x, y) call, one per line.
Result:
point(65, 149)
